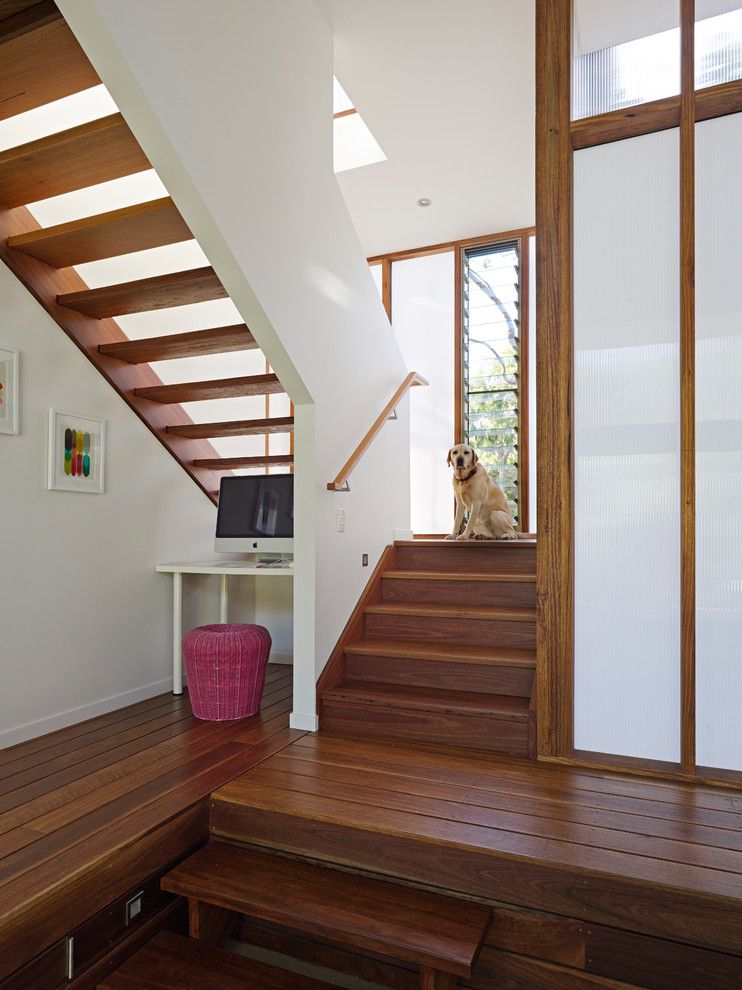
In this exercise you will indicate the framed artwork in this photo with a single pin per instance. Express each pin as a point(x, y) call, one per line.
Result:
point(8, 391)
point(76, 452)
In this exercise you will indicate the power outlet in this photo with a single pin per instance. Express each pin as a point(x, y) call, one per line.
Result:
point(341, 520)
point(364, 560)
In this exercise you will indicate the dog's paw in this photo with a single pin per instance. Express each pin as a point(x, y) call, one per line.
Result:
point(508, 536)
point(463, 536)
point(452, 536)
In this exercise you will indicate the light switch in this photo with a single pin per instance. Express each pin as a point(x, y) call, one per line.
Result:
point(134, 907)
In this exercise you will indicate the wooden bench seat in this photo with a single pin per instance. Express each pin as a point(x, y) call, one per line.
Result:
point(171, 962)
point(441, 935)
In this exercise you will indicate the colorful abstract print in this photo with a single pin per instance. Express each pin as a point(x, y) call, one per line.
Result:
point(77, 453)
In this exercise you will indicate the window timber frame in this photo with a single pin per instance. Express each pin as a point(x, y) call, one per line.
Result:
point(557, 138)
point(522, 235)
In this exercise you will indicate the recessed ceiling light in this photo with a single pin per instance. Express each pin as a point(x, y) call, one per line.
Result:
point(424, 201)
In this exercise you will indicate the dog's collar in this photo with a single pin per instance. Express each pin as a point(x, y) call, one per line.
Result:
point(469, 475)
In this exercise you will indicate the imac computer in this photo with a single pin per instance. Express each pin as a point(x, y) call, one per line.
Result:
point(256, 514)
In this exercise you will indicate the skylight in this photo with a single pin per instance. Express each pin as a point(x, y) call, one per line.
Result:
point(354, 144)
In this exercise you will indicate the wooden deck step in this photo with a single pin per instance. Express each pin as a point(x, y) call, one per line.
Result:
point(480, 556)
point(450, 666)
point(460, 587)
point(145, 294)
point(229, 463)
point(429, 930)
point(171, 962)
point(453, 718)
point(473, 624)
point(134, 228)
point(40, 61)
point(235, 428)
point(223, 388)
point(196, 343)
point(82, 156)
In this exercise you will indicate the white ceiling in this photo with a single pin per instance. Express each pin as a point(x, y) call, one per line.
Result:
point(447, 89)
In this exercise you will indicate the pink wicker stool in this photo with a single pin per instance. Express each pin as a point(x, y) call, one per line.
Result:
point(226, 670)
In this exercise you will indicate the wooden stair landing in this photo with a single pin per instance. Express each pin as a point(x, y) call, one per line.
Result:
point(605, 849)
point(425, 929)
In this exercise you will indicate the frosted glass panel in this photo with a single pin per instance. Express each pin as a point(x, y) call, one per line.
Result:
point(718, 42)
point(423, 323)
point(719, 443)
point(626, 437)
point(624, 54)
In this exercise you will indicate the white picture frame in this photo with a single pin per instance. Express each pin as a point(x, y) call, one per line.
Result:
point(9, 361)
point(76, 452)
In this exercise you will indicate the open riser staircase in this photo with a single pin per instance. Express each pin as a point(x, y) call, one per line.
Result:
point(442, 648)
point(41, 62)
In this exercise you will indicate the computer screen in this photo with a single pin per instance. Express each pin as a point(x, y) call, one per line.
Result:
point(253, 506)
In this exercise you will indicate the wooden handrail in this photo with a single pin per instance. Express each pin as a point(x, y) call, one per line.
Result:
point(341, 481)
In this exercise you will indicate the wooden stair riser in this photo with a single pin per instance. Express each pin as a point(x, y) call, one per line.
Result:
point(484, 732)
point(490, 557)
point(514, 681)
point(486, 632)
point(517, 594)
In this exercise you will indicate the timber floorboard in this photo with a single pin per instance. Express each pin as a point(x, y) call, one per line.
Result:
point(87, 811)
point(654, 857)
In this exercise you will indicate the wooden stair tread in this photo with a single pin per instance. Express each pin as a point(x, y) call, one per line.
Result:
point(172, 962)
point(454, 611)
point(456, 576)
point(228, 463)
point(222, 388)
point(447, 652)
point(235, 428)
point(195, 343)
point(401, 922)
point(145, 294)
point(106, 235)
point(478, 546)
point(41, 60)
point(82, 156)
point(430, 700)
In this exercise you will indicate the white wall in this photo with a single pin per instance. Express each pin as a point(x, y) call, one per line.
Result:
point(85, 622)
point(235, 112)
point(423, 303)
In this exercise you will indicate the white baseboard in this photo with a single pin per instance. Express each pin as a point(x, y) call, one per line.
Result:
point(281, 658)
point(303, 720)
point(40, 727)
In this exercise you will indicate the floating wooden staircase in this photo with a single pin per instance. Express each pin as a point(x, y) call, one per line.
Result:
point(41, 61)
point(441, 648)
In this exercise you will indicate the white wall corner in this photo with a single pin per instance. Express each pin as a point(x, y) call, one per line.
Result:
point(304, 721)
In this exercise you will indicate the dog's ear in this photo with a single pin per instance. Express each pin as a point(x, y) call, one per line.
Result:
point(474, 457)
point(448, 459)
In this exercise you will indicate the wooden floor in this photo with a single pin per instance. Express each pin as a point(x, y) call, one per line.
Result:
point(86, 811)
point(636, 854)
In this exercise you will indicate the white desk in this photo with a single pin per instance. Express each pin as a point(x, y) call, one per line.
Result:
point(223, 568)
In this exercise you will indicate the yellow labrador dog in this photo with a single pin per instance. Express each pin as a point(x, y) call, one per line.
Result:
point(480, 496)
